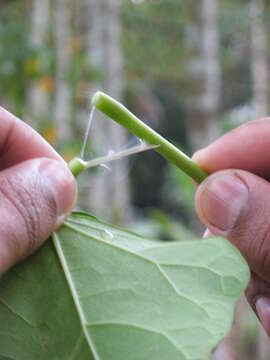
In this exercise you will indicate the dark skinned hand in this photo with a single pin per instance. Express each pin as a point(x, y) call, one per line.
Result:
point(37, 190)
point(234, 202)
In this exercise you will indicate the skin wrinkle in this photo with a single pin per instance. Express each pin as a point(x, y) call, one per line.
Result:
point(17, 198)
point(27, 203)
point(29, 221)
point(34, 214)
point(10, 244)
point(50, 200)
point(241, 178)
point(257, 229)
point(254, 249)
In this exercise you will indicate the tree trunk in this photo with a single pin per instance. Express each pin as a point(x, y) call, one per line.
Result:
point(63, 96)
point(113, 84)
point(37, 97)
point(259, 65)
point(206, 76)
point(205, 79)
point(259, 69)
point(104, 45)
point(206, 100)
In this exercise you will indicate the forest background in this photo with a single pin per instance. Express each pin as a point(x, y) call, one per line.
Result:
point(192, 69)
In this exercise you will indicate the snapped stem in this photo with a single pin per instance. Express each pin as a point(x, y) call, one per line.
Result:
point(120, 114)
point(77, 166)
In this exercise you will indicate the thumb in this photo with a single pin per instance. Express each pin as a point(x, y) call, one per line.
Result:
point(236, 205)
point(35, 198)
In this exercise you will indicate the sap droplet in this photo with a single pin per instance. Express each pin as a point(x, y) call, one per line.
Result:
point(107, 235)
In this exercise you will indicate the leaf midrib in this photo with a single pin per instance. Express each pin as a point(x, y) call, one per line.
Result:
point(138, 255)
point(76, 299)
point(69, 280)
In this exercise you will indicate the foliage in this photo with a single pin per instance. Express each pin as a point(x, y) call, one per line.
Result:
point(15, 52)
point(159, 225)
point(169, 228)
point(178, 189)
point(108, 294)
point(159, 46)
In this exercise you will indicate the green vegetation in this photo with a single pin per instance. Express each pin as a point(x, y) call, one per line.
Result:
point(105, 293)
point(155, 57)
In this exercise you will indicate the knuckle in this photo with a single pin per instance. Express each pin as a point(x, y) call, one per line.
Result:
point(22, 198)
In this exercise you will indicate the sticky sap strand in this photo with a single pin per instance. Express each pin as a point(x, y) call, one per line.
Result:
point(112, 155)
point(90, 120)
point(119, 155)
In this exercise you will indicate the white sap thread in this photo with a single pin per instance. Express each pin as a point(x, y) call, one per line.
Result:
point(106, 167)
point(90, 120)
point(112, 155)
point(119, 155)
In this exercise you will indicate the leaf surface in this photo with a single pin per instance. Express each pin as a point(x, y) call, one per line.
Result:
point(104, 293)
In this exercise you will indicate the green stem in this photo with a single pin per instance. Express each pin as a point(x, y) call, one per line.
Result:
point(77, 166)
point(124, 117)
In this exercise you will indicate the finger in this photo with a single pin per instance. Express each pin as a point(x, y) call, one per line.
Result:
point(246, 147)
point(258, 296)
point(19, 142)
point(236, 205)
point(35, 197)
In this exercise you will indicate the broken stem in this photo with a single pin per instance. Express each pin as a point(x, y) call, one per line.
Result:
point(78, 165)
point(116, 111)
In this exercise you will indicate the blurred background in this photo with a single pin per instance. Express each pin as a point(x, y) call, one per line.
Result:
point(191, 69)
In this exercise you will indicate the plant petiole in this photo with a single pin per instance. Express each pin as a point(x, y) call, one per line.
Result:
point(78, 165)
point(120, 114)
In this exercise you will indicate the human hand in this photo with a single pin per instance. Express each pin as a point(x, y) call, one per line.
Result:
point(37, 190)
point(236, 203)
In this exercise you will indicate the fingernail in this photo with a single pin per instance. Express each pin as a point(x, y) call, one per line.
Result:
point(222, 200)
point(263, 311)
point(197, 155)
point(62, 184)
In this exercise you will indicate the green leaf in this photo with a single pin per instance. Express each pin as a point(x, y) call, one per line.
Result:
point(116, 296)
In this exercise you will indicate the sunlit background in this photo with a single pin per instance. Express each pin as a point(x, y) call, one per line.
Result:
point(191, 69)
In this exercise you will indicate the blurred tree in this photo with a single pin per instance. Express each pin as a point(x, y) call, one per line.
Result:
point(39, 88)
point(113, 84)
point(234, 28)
point(205, 106)
point(205, 74)
point(99, 193)
point(15, 53)
point(63, 99)
point(259, 63)
point(260, 69)
point(105, 53)
point(167, 62)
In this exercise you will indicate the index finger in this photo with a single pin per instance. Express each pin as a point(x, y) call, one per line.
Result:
point(246, 147)
point(19, 142)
